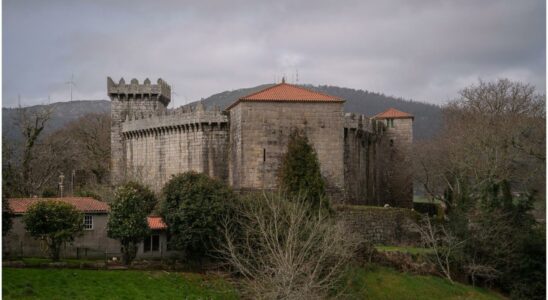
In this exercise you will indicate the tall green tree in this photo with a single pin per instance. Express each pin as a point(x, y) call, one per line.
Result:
point(300, 174)
point(194, 209)
point(55, 223)
point(127, 222)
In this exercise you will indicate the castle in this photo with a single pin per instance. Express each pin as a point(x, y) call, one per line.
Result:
point(363, 160)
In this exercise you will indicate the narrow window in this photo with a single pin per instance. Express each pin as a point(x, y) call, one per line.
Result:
point(391, 142)
point(88, 222)
point(390, 123)
point(264, 154)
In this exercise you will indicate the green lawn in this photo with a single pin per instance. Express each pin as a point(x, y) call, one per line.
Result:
point(371, 283)
point(93, 284)
point(384, 283)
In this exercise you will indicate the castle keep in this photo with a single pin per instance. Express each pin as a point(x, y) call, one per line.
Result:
point(363, 160)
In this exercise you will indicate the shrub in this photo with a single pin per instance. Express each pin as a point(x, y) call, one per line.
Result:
point(283, 251)
point(193, 208)
point(7, 217)
point(300, 174)
point(127, 223)
point(53, 222)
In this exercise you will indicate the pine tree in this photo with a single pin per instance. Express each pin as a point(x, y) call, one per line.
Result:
point(300, 174)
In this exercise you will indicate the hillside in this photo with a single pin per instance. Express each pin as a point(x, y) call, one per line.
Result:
point(63, 113)
point(427, 116)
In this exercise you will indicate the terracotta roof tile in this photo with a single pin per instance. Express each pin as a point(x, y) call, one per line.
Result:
point(156, 223)
point(393, 113)
point(285, 92)
point(82, 204)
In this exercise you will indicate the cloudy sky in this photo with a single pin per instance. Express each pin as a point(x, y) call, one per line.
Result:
point(422, 50)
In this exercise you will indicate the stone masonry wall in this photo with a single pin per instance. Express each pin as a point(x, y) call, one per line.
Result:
point(381, 226)
point(260, 133)
point(132, 99)
point(362, 138)
point(161, 146)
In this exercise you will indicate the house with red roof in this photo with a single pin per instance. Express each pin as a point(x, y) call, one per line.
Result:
point(94, 242)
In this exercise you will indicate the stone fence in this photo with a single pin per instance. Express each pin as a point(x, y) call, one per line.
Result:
point(380, 225)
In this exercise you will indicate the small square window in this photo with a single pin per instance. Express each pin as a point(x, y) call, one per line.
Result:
point(88, 222)
point(390, 123)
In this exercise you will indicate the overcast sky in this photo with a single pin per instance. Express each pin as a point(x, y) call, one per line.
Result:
point(421, 50)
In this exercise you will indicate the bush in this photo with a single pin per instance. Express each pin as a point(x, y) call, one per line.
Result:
point(284, 252)
point(7, 217)
point(300, 174)
point(54, 222)
point(127, 222)
point(193, 208)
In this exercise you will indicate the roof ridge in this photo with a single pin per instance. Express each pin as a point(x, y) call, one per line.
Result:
point(263, 90)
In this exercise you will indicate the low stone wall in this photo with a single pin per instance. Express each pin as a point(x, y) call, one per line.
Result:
point(380, 225)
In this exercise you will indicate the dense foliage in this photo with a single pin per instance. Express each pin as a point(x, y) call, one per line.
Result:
point(502, 243)
point(7, 217)
point(194, 208)
point(300, 174)
point(53, 222)
point(127, 222)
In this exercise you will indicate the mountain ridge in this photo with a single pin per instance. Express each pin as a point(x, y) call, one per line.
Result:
point(427, 116)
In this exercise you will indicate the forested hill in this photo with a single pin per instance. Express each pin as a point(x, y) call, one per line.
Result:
point(62, 114)
point(427, 116)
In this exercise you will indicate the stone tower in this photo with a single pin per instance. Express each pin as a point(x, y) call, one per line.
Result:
point(130, 100)
point(396, 163)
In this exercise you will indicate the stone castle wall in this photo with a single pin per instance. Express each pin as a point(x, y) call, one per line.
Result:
point(362, 137)
point(245, 145)
point(259, 133)
point(178, 141)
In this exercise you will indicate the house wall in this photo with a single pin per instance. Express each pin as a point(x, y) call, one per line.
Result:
point(19, 242)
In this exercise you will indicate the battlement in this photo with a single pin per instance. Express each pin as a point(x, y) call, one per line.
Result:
point(183, 117)
point(122, 91)
point(361, 122)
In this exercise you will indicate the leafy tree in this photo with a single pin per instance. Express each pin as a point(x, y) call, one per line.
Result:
point(127, 222)
point(194, 207)
point(7, 217)
point(53, 222)
point(300, 174)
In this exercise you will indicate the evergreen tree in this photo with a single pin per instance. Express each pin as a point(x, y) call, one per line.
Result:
point(128, 217)
point(300, 174)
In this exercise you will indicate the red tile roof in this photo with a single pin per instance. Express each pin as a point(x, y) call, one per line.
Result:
point(285, 92)
point(393, 113)
point(83, 204)
point(156, 223)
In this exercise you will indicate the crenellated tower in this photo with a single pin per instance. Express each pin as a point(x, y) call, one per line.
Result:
point(128, 100)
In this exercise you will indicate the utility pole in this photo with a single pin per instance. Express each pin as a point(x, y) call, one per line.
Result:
point(61, 179)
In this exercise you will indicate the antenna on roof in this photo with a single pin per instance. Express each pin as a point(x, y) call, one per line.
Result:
point(283, 79)
point(297, 76)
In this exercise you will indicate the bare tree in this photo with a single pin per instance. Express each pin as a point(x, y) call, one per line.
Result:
point(495, 131)
point(284, 252)
point(443, 244)
point(32, 124)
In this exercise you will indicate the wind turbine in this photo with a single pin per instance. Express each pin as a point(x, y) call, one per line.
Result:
point(71, 83)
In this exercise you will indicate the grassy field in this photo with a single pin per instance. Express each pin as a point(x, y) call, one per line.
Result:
point(371, 283)
point(383, 283)
point(91, 284)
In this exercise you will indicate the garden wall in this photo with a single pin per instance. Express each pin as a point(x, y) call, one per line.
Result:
point(380, 225)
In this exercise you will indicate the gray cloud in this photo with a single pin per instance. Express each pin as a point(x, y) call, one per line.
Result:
point(424, 50)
